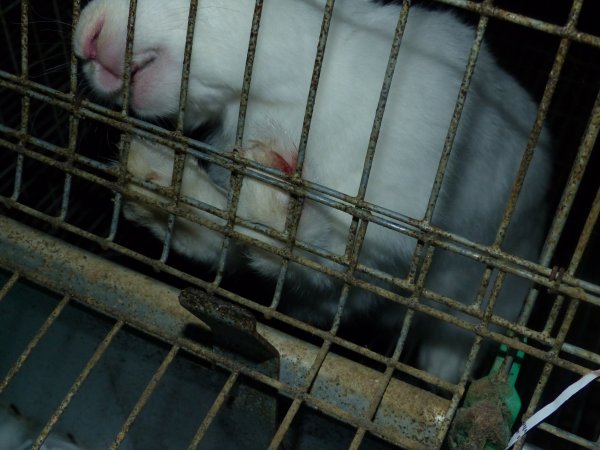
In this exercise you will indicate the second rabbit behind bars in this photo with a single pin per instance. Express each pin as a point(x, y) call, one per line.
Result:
point(486, 153)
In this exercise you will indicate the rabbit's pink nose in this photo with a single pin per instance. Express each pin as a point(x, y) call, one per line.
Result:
point(90, 44)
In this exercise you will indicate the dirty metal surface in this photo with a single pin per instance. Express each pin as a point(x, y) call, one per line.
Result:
point(341, 388)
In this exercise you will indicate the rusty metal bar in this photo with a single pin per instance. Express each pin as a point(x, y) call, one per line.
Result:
point(572, 186)
point(76, 385)
point(383, 96)
point(297, 201)
point(214, 410)
point(8, 285)
point(581, 159)
point(457, 113)
point(449, 142)
point(570, 437)
point(163, 317)
point(245, 94)
point(515, 343)
point(73, 123)
point(314, 84)
point(308, 382)
point(279, 285)
point(387, 377)
point(358, 228)
point(33, 343)
point(458, 239)
point(127, 68)
point(582, 243)
point(179, 152)
point(508, 258)
point(235, 182)
point(285, 424)
point(525, 21)
point(150, 388)
point(556, 230)
point(25, 100)
point(187, 59)
point(457, 396)
point(536, 131)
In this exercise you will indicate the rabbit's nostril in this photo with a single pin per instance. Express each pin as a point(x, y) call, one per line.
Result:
point(90, 48)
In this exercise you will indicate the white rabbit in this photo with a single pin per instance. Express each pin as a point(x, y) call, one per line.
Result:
point(491, 138)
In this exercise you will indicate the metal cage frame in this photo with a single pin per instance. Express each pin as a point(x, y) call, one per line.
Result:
point(28, 255)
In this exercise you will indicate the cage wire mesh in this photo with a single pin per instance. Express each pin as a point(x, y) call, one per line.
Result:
point(97, 351)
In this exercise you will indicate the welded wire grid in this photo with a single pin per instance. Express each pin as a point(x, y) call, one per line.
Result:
point(27, 154)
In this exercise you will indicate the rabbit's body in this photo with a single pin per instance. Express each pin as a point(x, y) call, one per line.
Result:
point(491, 137)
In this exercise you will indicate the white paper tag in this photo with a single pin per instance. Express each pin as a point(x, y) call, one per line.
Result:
point(539, 416)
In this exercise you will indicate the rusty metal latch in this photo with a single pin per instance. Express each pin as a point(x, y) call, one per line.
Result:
point(233, 327)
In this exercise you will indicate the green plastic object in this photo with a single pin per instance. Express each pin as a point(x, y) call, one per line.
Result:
point(490, 409)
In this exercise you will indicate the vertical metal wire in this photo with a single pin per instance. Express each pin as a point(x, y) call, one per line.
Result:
point(580, 162)
point(563, 209)
point(355, 244)
point(376, 127)
point(214, 410)
point(389, 371)
point(308, 112)
point(452, 130)
point(8, 285)
point(56, 415)
point(25, 100)
point(73, 121)
point(279, 285)
point(247, 80)
point(383, 383)
point(150, 388)
point(125, 141)
point(166, 241)
point(180, 155)
point(383, 96)
point(580, 248)
point(187, 59)
point(456, 115)
point(127, 68)
point(116, 213)
point(33, 343)
point(236, 179)
point(296, 204)
point(355, 239)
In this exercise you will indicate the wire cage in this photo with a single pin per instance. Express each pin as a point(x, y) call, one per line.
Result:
point(111, 338)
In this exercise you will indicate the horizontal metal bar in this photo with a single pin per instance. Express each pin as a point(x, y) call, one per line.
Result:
point(548, 281)
point(373, 213)
point(153, 307)
point(570, 437)
point(568, 285)
point(266, 311)
point(528, 22)
point(418, 306)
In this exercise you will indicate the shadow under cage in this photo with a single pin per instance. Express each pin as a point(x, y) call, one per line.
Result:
point(98, 350)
